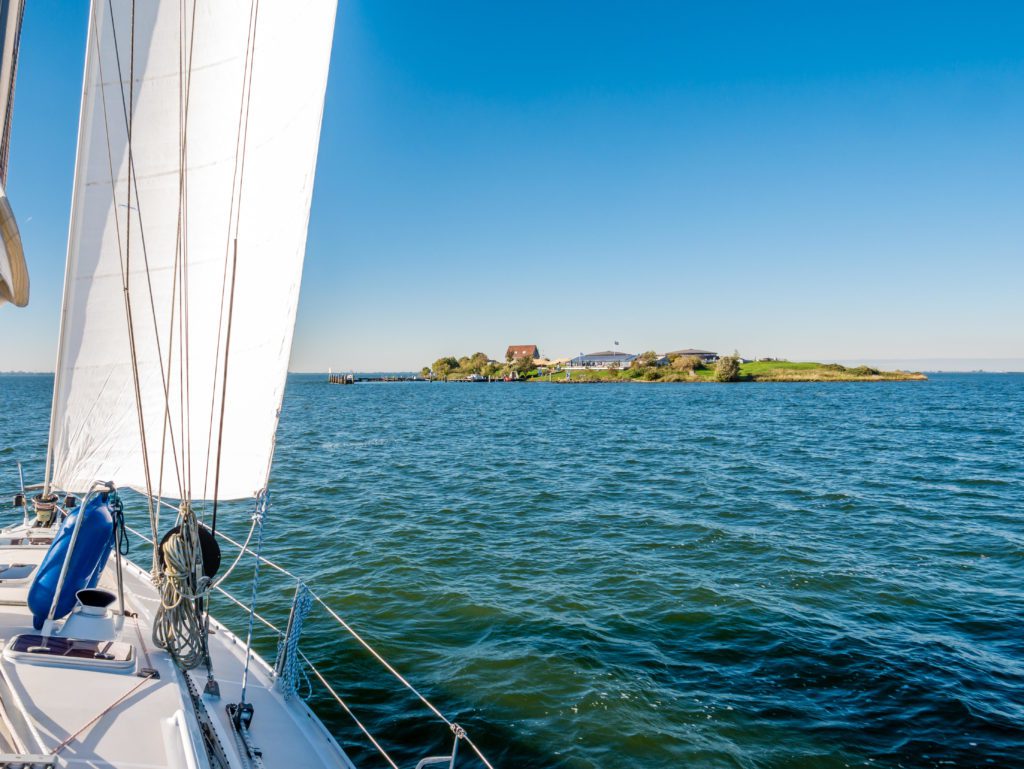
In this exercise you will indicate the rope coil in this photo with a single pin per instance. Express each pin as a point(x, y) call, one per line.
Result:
point(179, 626)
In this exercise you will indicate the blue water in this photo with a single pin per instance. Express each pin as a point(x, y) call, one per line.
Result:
point(652, 575)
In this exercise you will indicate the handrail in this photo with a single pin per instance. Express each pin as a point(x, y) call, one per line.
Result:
point(352, 715)
point(459, 732)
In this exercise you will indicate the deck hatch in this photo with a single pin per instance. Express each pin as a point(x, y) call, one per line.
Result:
point(16, 571)
point(76, 652)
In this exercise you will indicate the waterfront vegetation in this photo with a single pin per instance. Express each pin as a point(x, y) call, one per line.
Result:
point(755, 371)
point(645, 368)
point(478, 363)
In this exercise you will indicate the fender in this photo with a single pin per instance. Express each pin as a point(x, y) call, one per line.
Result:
point(92, 549)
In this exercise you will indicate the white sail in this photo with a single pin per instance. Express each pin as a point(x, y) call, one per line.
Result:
point(208, 239)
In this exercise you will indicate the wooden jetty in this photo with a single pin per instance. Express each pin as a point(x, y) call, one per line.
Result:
point(347, 379)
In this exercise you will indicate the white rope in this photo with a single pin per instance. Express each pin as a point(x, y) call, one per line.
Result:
point(179, 627)
point(238, 558)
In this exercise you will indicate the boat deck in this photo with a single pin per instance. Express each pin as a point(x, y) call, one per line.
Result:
point(106, 713)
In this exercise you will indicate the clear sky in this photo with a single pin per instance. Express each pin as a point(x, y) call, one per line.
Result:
point(807, 180)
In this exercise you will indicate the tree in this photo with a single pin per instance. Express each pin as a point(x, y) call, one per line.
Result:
point(444, 366)
point(425, 372)
point(479, 362)
point(523, 364)
point(728, 368)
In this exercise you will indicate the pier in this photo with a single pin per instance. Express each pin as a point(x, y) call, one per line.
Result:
point(353, 378)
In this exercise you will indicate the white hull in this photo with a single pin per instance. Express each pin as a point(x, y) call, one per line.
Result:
point(91, 716)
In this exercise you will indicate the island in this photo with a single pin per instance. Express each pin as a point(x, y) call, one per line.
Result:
point(651, 367)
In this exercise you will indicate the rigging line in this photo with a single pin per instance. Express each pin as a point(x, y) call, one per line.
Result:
point(241, 605)
point(180, 271)
point(255, 13)
point(224, 389)
point(184, 154)
point(254, 10)
point(175, 269)
point(133, 183)
point(243, 548)
point(165, 422)
point(351, 715)
point(67, 740)
point(126, 266)
point(379, 658)
point(453, 726)
point(242, 113)
point(170, 330)
point(185, 248)
point(241, 552)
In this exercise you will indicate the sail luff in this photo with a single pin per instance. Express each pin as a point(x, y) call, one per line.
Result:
point(62, 329)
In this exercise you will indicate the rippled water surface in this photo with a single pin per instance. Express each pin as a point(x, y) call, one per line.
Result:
point(629, 575)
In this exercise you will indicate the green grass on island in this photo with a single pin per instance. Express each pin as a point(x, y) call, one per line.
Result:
point(755, 371)
point(645, 368)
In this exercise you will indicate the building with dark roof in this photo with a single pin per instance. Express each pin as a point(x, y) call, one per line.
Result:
point(706, 356)
point(602, 360)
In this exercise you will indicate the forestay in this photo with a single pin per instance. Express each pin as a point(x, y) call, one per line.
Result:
point(188, 247)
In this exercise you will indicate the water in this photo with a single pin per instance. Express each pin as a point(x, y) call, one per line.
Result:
point(627, 575)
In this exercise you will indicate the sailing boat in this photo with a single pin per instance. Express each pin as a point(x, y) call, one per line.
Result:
point(13, 271)
point(197, 147)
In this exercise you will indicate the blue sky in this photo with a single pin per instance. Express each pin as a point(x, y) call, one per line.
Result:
point(807, 180)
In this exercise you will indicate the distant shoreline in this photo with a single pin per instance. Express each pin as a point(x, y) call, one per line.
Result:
point(754, 371)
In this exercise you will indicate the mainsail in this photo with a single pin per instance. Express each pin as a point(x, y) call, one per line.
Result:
point(13, 271)
point(197, 148)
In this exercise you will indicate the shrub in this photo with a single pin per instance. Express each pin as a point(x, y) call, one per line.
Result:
point(863, 371)
point(686, 363)
point(644, 359)
point(728, 368)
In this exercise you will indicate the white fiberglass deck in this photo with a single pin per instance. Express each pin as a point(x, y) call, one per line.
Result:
point(95, 717)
